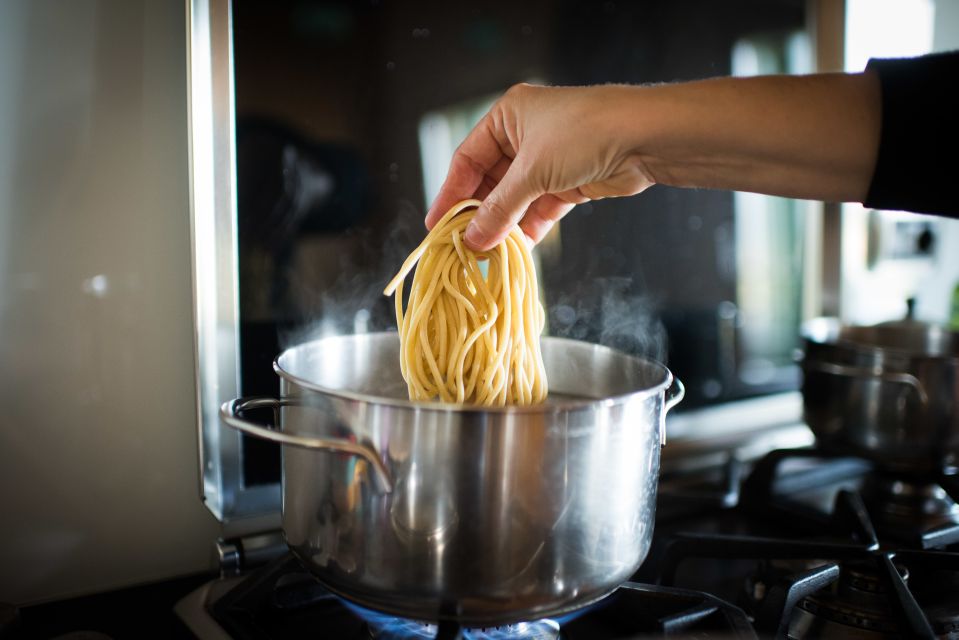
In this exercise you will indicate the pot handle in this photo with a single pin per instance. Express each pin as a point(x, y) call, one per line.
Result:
point(675, 392)
point(877, 373)
point(232, 410)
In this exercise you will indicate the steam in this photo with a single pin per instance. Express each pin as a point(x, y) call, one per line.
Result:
point(605, 311)
point(354, 302)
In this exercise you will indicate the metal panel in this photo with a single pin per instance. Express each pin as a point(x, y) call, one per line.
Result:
point(215, 264)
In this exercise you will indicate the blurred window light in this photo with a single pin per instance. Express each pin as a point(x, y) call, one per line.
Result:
point(876, 292)
point(769, 237)
point(440, 132)
point(887, 29)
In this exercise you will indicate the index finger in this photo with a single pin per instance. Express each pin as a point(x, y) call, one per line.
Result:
point(475, 156)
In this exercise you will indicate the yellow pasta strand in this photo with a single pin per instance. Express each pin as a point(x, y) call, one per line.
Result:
point(465, 338)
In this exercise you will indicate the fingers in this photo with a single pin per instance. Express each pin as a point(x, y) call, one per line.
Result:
point(461, 182)
point(478, 154)
point(502, 209)
point(492, 178)
point(543, 214)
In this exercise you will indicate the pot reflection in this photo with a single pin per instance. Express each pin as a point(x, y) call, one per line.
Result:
point(422, 509)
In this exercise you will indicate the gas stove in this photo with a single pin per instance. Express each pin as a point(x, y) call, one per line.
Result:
point(799, 544)
point(281, 600)
point(820, 545)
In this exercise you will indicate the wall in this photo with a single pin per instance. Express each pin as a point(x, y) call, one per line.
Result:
point(98, 454)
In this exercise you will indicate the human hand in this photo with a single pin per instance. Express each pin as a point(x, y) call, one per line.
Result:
point(539, 152)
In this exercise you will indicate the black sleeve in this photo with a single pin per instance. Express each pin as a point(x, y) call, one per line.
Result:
point(916, 169)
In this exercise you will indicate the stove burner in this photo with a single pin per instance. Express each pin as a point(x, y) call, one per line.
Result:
point(842, 578)
point(411, 630)
point(850, 584)
point(282, 600)
point(386, 627)
point(919, 512)
point(900, 506)
point(859, 599)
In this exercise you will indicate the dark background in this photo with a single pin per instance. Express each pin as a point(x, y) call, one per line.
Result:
point(328, 100)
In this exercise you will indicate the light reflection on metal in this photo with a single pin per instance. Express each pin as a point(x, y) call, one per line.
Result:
point(215, 259)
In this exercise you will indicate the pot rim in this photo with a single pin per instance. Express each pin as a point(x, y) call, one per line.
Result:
point(828, 323)
point(554, 406)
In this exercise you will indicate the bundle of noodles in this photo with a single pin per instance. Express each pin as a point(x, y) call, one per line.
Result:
point(465, 338)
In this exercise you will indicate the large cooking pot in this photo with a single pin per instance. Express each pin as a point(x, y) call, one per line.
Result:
point(485, 516)
point(887, 392)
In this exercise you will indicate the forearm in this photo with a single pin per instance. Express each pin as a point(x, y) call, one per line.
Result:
point(542, 150)
point(810, 137)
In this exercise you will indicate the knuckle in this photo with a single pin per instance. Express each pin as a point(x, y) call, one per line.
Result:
point(496, 212)
point(463, 162)
point(589, 192)
point(518, 89)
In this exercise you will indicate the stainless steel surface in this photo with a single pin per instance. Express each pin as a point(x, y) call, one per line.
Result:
point(226, 556)
point(215, 270)
point(887, 392)
point(239, 555)
point(231, 416)
point(261, 549)
point(497, 514)
point(862, 373)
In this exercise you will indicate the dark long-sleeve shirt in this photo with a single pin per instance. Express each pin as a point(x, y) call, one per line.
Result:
point(917, 168)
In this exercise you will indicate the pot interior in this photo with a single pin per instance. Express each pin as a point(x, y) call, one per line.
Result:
point(366, 367)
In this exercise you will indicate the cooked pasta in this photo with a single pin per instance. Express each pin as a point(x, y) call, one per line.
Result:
point(465, 338)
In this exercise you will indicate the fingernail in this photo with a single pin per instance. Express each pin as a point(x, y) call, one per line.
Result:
point(473, 235)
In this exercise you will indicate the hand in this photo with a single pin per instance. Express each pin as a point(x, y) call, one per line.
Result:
point(537, 153)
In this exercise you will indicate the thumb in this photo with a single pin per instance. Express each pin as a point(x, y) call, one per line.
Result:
point(502, 209)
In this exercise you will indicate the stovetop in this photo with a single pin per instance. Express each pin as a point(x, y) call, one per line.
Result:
point(820, 545)
point(802, 544)
point(283, 601)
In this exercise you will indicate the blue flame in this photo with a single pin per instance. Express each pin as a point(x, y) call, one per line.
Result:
point(387, 627)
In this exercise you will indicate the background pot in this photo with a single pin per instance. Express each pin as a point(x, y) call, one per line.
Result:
point(886, 392)
point(483, 516)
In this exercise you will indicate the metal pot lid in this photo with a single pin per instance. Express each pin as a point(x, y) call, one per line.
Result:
point(908, 337)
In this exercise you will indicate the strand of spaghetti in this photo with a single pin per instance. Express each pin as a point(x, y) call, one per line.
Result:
point(414, 257)
point(422, 356)
point(438, 330)
point(466, 337)
point(461, 349)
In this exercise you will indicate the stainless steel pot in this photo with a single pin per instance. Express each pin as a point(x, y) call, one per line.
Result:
point(887, 392)
point(484, 516)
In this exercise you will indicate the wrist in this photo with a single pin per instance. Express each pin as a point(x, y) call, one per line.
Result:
point(642, 128)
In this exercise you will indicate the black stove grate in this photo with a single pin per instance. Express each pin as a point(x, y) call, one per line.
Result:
point(767, 493)
point(844, 571)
